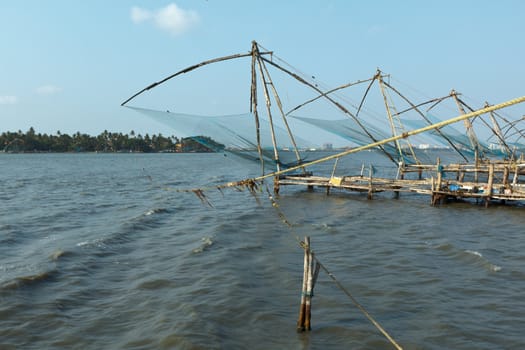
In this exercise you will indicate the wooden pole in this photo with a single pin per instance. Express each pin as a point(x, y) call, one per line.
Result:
point(310, 273)
point(439, 169)
point(309, 293)
point(189, 69)
point(280, 106)
point(268, 107)
point(253, 105)
point(489, 184)
point(432, 197)
point(370, 188)
point(505, 176)
point(337, 104)
point(306, 267)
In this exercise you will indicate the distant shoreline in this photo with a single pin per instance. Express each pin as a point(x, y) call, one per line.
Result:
point(106, 142)
point(103, 152)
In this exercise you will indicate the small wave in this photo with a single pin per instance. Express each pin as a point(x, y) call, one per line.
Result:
point(324, 226)
point(98, 243)
point(156, 211)
point(29, 281)
point(473, 252)
point(479, 259)
point(58, 254)
point(206, 242)
point(469, 256)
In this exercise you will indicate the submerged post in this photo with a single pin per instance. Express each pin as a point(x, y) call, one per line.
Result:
point(310, 273)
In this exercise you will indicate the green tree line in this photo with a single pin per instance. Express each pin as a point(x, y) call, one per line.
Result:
point(31, 141)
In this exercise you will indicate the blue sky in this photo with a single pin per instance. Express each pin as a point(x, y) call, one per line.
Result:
point(67, 65)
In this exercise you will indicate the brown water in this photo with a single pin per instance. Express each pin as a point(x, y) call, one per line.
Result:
point(99, 252)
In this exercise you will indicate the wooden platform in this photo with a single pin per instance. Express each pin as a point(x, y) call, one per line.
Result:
point(499, 181)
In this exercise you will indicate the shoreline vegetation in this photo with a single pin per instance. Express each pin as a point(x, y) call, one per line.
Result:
point(107, 142)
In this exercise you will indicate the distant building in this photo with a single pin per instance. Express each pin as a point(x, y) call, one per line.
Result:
point(328, 146)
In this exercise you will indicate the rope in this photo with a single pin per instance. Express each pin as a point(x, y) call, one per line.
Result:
point(331, 275)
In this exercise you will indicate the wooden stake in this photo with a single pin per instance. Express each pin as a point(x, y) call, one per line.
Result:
point(505, 176)
point(489, 184)
point(309, 289)
point(310, 273)
point(370, 189)
point(302, 309)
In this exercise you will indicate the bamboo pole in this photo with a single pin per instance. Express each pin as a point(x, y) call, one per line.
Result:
point(415, 107)
point(439, 170)
point(309, 293)
point(253, 105)
point(306, 268)
point(489, 184)
point(370, 188)
point(337, 104)
point(268, 107)
point(469, 129)
point(189, 69)
point(432, 191)
point(280, 107)
point(310, 273)
point(505, 176)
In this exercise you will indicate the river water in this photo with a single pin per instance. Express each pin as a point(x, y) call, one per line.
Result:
point(100, 251)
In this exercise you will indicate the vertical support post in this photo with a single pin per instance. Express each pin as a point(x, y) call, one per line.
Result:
point(461, 176)
point(302, 310)
point(370, 188)
point(516, 172)
point(436, 197)
point(505, 176)
point(432, 196)
point(400, 175)
point(276, 185)
point(489, 184)
point(310, 273)
point(439, 173)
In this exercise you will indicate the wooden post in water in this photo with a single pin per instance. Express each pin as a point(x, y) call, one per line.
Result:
point(505, 176)
point(400, 175)
point(302, 309)
point(436, 197)
point(310, 273)
point(489, 184)
point(370, 188)
point(432, 191)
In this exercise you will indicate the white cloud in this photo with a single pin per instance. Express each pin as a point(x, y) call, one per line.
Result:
point(8, 100)
point(171, 18)
point(48, 90)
